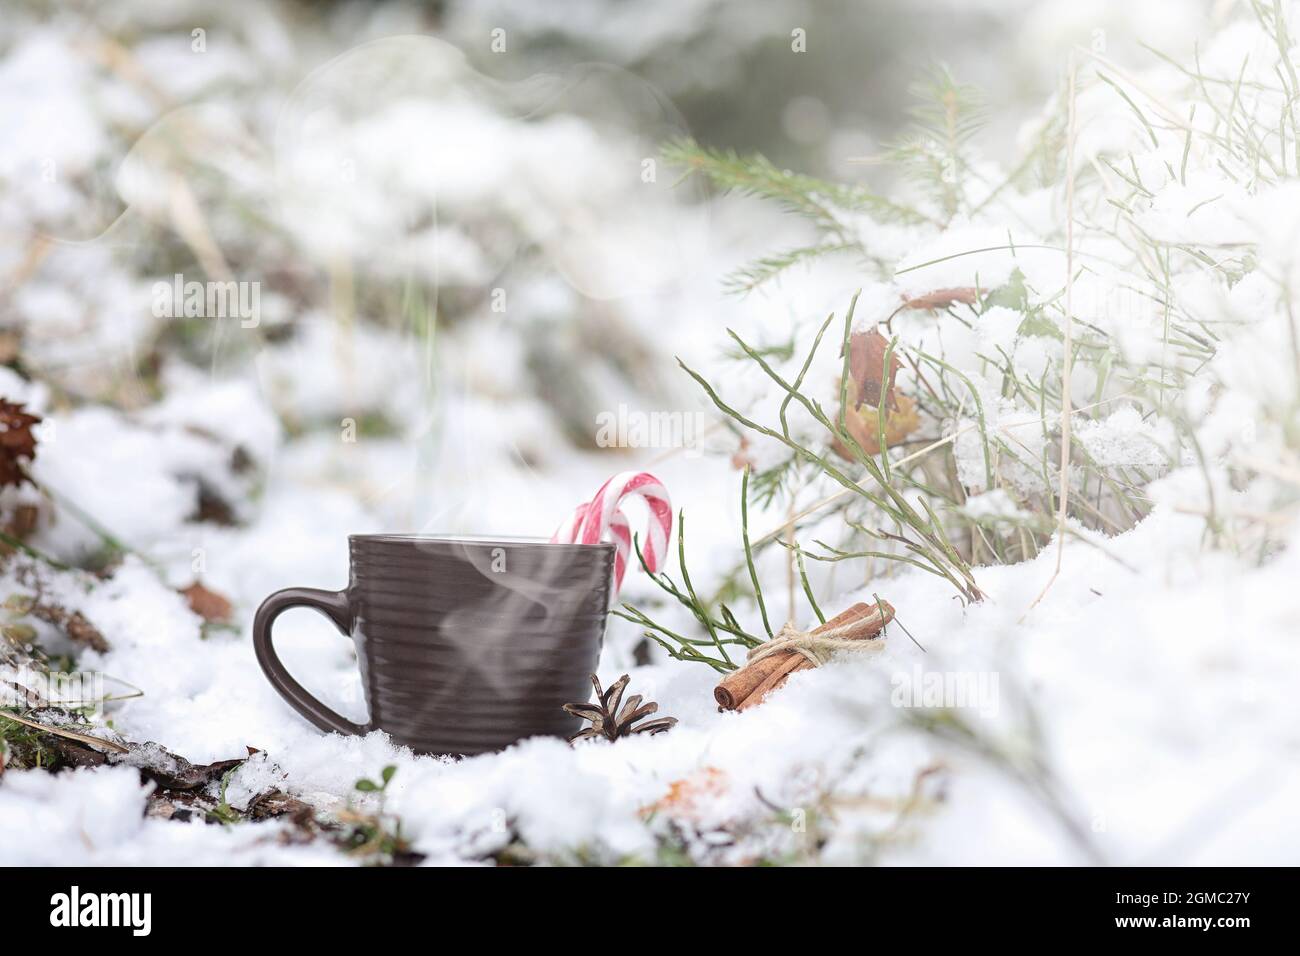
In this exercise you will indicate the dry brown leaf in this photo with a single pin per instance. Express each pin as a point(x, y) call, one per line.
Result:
point(17, 443)
point(207, 604)
point(73, 623)
point(69, 734)
point(867, 369)
point(22, 522)
point(871, 386)
point(275, 803)
point(942, 298)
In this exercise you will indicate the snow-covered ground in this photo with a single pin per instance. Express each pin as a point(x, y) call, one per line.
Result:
point(458, 274)
point(1157, 707)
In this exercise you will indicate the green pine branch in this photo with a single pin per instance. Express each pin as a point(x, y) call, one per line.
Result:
point(819, 200)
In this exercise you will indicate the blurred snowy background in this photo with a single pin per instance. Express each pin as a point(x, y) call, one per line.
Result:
point(455, 242)
point(464, 250)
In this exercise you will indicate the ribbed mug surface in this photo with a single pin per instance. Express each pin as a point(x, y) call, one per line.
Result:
point(466, 645)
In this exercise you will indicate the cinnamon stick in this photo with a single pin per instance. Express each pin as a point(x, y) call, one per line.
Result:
point(790, 663)
point(750, 685)
point(743, 681)
point(873, 618)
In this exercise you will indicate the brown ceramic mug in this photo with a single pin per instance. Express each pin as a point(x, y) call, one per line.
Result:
point(466, 645)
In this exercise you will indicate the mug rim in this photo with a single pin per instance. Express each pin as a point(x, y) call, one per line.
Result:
point(415, 537)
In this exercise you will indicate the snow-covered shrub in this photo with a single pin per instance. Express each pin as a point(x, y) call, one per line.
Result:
point(1148, 224)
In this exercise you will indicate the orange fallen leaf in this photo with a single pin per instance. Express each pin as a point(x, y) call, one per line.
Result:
point(863, 425)
point(683, 796)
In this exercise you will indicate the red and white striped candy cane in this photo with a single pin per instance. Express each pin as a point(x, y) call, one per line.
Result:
point(568, 532)
point(603, 516)
point(619, 530)
point(608, 502)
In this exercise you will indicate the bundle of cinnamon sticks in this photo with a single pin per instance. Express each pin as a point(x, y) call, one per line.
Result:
point(768, 670)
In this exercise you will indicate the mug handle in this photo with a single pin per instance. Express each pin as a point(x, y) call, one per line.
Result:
point(334, 605)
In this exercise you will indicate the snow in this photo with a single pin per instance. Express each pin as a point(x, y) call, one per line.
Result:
point(92, 447)
point(992, 505)
point(963, 256)
point(97, 817)
point(1149, 690)
point(1123, 438)
point(1193, 667)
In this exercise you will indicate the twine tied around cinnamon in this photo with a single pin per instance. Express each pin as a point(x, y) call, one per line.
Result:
point(815, 645)
point(769, 664)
